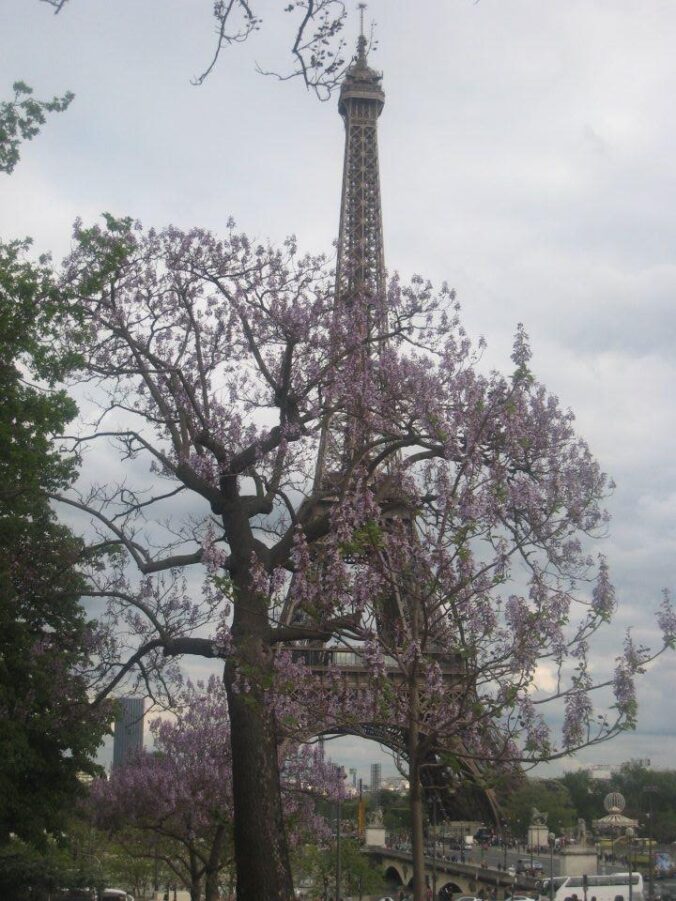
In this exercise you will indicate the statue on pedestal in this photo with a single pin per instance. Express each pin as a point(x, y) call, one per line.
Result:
point(581, 832)
point(537, 817)
point(376, 818)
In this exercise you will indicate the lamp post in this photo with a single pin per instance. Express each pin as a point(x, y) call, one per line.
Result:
point(339, 772)
point(434, 846)
point(650, 790)
point(551, 838)
point(462, 842)
point(504, 845)
point(629, 835)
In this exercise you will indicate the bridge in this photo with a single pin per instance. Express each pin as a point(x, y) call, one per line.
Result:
point(452, 877)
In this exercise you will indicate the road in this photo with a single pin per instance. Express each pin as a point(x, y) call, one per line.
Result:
point(495, 856)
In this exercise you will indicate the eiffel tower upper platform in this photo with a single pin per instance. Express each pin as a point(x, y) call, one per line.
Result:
point(361, 261)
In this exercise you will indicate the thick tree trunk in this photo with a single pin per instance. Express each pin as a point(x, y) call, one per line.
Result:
point(261, 850)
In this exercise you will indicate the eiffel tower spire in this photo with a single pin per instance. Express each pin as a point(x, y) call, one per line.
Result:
point(361, 263)
point(360, 267)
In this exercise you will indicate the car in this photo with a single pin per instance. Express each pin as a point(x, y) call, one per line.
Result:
point(511, 871)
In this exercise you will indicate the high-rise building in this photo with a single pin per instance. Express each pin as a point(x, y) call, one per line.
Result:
point(376, 779)
point(128, 735)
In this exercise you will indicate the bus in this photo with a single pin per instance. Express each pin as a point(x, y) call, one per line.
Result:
point(612, 887)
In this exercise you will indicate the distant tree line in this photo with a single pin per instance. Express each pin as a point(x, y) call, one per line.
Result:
point(579, 795)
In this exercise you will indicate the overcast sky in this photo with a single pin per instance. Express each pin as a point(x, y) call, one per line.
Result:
point(527, 157)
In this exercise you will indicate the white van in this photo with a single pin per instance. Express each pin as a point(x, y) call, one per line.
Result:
point(612, 887)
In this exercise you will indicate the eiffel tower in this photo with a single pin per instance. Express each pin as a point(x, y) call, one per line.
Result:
point(360, 265)
point(360, 279)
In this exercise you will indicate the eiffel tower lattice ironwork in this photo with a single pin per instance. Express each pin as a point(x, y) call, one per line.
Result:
point(360, 279)
point(360, 268)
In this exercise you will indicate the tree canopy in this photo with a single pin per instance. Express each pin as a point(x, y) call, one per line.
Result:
point(446, 538)
point(49, 733)
point(21, 120)
point(175, 804)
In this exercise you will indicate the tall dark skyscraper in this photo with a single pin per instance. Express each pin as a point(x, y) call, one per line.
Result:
point(376, 779)
point(128, 736)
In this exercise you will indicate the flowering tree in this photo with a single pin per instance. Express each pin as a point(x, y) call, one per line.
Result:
point(316, 46)
point(477, 593)
point(179, 798)
point(231, 369)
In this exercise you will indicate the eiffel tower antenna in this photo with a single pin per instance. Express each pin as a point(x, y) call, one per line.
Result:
point(362, 38)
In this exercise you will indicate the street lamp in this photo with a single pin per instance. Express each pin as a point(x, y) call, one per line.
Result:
point(341, 776)
point(551, 838)
point(650, 790)
point(504, 845)
point(434, 845)
point(629, 835)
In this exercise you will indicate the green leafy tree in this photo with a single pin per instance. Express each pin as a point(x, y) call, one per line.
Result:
point(549, 796)
point(21, 120)
point(648, 791)
point(27, 874)
point(586, 794)
point(316, 865)
point(48, 732)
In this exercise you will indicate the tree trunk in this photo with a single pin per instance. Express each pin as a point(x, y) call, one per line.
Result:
point(213, 867)
point(195, 886)
point(261, 851)
point(211, 892)
point(415, 796)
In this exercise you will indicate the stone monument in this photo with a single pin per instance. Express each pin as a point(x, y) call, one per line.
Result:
point(537, 831)
point(375, 830)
